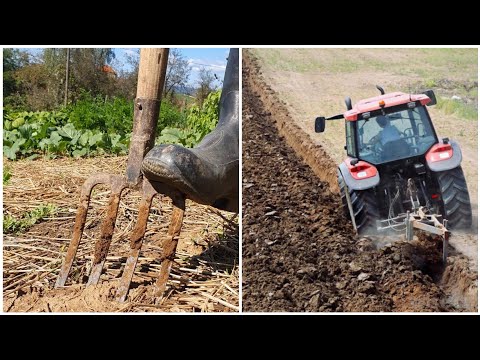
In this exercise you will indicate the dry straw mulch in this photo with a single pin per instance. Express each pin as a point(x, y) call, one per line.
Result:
point(203, 279)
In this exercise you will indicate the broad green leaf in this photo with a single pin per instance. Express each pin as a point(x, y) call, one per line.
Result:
point(172, 131)
point(55, 138)
point(68, 131)
point(32, 157)
point(114, 138)
point(75, 138)
point(62, 146)
point(18, 122)
point(9, 152)
point(95, 139)
point(79, 153)
point(84, 138)
point(44, 143)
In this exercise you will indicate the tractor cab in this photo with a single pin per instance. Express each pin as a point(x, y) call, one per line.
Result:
point(388, 127)
point(390, 134)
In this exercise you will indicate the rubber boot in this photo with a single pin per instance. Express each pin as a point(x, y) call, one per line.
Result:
point(208, 173)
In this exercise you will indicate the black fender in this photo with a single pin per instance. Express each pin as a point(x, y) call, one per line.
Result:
point(354, 184)
point(447, 164)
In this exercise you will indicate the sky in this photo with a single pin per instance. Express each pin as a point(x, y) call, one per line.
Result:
point(214, 59)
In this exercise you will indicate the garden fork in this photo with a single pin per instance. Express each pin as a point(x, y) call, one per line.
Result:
point(151, 78)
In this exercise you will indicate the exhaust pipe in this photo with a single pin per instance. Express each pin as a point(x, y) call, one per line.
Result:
point(348, 102)
point(380, 89)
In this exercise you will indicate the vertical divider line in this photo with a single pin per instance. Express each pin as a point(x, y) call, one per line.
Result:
point(240, 202)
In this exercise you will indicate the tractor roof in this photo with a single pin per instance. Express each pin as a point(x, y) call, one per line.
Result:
point(391, 99)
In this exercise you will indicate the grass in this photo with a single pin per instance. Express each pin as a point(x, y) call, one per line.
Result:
point(425, 63)
point(457, 107)
point(12, 224)
point(300, 61)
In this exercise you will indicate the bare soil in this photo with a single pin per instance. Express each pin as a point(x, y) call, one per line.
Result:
point(300, 253)
point(314, 82)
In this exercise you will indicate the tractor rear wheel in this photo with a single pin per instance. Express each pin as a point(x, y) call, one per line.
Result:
point(364, 204)
point(455, 199)
point(365, 208)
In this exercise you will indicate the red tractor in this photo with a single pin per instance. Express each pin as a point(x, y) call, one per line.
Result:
point(398, 174)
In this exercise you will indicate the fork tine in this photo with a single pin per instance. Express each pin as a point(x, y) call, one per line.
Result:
point(80, 220)
point(108, 226)
point(170, 246)
point(136, 240)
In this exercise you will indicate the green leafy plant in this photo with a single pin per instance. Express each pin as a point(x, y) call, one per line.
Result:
point(31, 134)
point(12, 224)
point(199, 122)
point(98, 113)
point(170, 116)
point(95, 126)
point(203, 120)
point(6, 175)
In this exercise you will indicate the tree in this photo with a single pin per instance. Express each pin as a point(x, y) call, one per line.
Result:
point(48, 91)
point(205, 83)
point(87, 71)
point(178, 72)
point(126, 85)
point(41, 81)
point(13, 60)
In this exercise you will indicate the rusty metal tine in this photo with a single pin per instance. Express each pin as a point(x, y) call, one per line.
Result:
point(170, 246)
point(80, 219)
point(136, 240)
point(118, 183)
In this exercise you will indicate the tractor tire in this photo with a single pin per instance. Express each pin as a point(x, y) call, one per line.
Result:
point(455, 199)
point(365, 208)
point(364, 204)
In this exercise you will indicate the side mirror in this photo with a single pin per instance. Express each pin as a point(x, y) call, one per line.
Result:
point(432, 97)
point(319, 124)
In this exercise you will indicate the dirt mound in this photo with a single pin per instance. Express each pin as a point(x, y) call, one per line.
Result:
point(299, 251)
point(460, 283)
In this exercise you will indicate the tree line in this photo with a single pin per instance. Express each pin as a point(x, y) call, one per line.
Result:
point(36, 81)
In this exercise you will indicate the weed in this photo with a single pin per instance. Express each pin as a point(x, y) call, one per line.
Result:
point(12, 224)
point(6, 175)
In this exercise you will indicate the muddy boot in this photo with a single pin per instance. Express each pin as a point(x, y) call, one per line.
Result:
point(208, 173)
